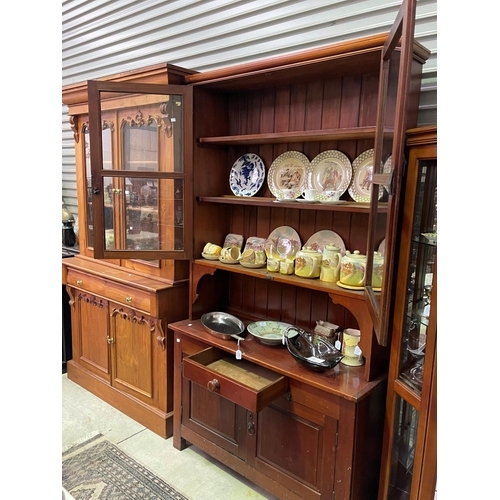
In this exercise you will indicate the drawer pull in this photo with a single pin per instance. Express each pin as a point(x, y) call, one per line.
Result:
point(110, 340)
point(128, 299)
point(79, 282)
point(213, 385)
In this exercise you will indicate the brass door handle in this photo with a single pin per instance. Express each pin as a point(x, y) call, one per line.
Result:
point(110, 340)
point(213, 385)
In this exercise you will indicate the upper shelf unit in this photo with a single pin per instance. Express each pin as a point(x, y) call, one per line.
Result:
point(340, 59)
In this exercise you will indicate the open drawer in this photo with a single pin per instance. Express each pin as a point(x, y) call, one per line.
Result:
point(242, 382)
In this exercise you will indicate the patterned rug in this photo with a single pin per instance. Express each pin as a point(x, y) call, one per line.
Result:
point(98, 470)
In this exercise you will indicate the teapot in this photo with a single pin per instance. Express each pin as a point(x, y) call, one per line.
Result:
point(330, 265)
point(353, 269)
point(308, 263)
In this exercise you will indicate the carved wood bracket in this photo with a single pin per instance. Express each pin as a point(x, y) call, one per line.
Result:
point(92, 300)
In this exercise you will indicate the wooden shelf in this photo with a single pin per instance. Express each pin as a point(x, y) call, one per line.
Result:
point(290, 279)
point(344, 134)
point(271, 202)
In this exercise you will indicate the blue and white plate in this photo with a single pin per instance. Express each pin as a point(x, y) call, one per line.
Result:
point(247, 175)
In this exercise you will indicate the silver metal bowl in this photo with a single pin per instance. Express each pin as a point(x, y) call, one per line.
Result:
point(311, 350)
point(223, 325)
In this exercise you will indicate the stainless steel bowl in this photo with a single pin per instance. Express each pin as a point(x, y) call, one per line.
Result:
point(223, 325)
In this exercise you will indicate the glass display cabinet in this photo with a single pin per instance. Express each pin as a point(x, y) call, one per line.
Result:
point(139, 198)
point(409, 453)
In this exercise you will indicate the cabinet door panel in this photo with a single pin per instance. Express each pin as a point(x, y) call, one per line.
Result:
point(90, 327)
point(133, 352)
point(213, 417)
point(297, 451)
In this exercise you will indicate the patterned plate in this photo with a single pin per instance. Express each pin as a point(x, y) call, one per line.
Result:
point(319, 240)
point(247, 175)
point(283, 243)
point(289, 171)
point(331, 170)
point(361, 183)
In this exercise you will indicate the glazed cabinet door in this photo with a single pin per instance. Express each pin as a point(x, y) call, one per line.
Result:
point(138, 355)
point(409, 452)
point(90, 332)
point(141, 181)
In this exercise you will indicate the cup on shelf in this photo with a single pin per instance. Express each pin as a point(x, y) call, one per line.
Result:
point(248, 256)
point(230, 253)
point(310, 194)
point(286, 266)
point(330, 195)
point(287, 194)
point(273, 265)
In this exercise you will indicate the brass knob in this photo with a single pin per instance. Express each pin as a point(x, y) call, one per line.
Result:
point(128, 299)
point(110, 340)
point(79, 282)
point(213, 385)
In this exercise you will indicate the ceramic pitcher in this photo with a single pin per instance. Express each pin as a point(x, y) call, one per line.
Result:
point(330, 264)
point(308, 263)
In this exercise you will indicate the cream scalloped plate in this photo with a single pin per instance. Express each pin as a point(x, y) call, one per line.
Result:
point(361, 182)
point(289, 170)
point(283, 243)
point(331, 169)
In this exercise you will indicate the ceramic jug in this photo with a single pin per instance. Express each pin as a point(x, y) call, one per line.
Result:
point(353, 269)
point(330, 264)
point(308, 263)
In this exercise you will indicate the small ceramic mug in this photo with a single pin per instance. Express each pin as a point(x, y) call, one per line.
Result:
point(287, 194)
point(273, 265)
point(230, 253)
point(248, 256)
point(310, 194)
point(286, 266)
point(330, 195)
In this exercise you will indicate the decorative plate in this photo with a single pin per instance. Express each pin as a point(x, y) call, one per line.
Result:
point(325, 237)
point(351, 287)
point(289, 171)
point(233, 240)
point(283, 243)
point(332, 202)
point(269, 332)
point(361, 183)
point(255, 243)
point(210, 257)
point(250, 265)
point(381, 247)
point(228, 261)
point(331, 170)
point(387, 167)
point(247, 175)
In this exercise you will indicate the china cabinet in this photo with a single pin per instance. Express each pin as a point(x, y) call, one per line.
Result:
point(120, 308)
point(409, 451)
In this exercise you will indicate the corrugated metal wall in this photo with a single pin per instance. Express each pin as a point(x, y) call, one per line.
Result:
point(102, 37)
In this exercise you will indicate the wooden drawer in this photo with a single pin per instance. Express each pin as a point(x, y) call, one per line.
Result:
point(245, 384)
point(123, 294)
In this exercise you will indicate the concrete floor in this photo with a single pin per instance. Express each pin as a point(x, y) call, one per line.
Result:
point(191, 472)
